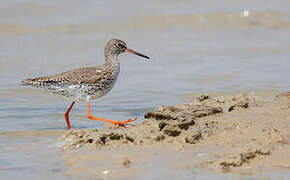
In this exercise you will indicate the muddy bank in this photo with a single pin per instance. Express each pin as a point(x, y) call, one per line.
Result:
point(238, 134)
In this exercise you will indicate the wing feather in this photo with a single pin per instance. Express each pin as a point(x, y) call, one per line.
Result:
point(75, 76)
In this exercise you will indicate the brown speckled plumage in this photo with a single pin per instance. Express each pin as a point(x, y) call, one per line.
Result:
point(86, 83)
point(80, 75)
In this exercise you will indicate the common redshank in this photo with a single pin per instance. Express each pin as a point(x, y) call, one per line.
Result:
point(87, 83)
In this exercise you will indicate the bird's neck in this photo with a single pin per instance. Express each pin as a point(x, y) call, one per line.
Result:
point(111, 60)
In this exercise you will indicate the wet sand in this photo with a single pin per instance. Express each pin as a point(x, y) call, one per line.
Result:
point(209, 136)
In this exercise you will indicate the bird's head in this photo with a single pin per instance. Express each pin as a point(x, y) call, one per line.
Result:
point(117, 46)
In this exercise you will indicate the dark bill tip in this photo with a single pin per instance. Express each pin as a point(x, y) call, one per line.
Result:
point(136, 53)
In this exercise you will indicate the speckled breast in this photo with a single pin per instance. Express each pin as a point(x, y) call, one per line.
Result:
point(103, 86)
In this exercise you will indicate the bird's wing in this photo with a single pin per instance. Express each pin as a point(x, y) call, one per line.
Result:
point(80, 75)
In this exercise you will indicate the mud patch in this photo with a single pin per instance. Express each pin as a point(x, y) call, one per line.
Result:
point(244, 157)
point(233, 132)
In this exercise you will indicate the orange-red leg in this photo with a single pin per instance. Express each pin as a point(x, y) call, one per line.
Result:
point(107, 120)
point(66, 115)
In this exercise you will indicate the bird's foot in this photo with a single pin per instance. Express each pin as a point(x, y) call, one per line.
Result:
point(116, 123)
point(123, 123)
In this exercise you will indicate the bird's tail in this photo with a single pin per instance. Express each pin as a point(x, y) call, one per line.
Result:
point(25, 82)
point(30, 82)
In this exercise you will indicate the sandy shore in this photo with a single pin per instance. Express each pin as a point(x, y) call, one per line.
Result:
point(239, 134)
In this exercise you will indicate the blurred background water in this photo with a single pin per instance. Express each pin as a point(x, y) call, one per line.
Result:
point(195, 47)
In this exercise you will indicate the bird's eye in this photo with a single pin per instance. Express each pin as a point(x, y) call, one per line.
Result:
point(120, 45)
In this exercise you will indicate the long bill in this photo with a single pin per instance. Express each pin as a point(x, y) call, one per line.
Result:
point(136, 53)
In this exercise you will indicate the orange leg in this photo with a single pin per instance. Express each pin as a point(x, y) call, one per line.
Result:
point(108, 120)
point(66, 115)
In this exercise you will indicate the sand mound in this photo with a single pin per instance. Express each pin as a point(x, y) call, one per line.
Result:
point(237, 133)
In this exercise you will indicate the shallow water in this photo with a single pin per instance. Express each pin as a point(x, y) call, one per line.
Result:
point(195, 47)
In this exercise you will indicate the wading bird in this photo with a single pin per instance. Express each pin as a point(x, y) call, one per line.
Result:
point(87, 83)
